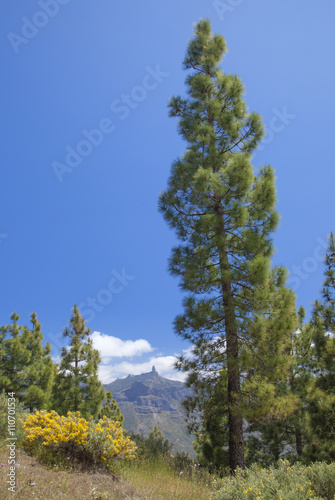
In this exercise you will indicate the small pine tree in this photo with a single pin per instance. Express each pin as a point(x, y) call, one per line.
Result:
point(285, 437)
point(39, 374)
point(153, 446)
point(14, 357)
point(77, 386)
point(111, 409)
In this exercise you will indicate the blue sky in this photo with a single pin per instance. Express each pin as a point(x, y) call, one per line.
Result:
point(87, 146)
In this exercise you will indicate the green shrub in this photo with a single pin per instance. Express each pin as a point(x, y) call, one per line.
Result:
point(284, 482)
point(322, 478)
point(152, 446)
point(182, 462)
point(19, 414)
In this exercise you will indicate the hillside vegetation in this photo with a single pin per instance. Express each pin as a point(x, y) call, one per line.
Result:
point(259, 392)
point(149, 400)
point(157, 480)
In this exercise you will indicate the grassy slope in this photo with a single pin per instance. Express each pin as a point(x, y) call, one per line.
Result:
point(136, 482)
point(54, 484)
point(155, 481)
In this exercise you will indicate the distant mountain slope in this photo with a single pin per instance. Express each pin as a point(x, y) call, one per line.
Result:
point(147, 400)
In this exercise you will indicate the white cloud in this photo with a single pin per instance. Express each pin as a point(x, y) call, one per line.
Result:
point(113, 347)
point(163, 364)
point(189, 353)
point(56, 359)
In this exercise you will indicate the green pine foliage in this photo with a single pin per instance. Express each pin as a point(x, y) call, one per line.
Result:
point(286, 437)
point(321, 393)
point(14, 356)
point(300, 379)
point(153, 446)
point(263, 381)
point(77, 386)
point(18, 411)
point(110, 409)
point(26, 367)
point(238, 314)
point(327, 307)
point(39, 374)
point(211, 440)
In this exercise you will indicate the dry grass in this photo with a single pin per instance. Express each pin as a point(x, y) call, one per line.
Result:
point(156, 481)
point(56, 484)
point(137, 481)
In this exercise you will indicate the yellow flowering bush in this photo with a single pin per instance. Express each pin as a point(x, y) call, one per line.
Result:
point(71, 437)
point(108, 439)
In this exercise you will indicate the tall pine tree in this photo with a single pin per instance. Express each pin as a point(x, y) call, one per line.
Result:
point(77, 386)
point(224, 215)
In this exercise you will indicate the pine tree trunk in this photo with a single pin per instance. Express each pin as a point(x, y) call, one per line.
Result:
point(235, 420)
point(298, 442)
point(236, 448)
point(276, 445)
point(76, 375)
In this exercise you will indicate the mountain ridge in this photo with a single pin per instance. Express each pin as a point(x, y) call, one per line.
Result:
point(149, 400)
